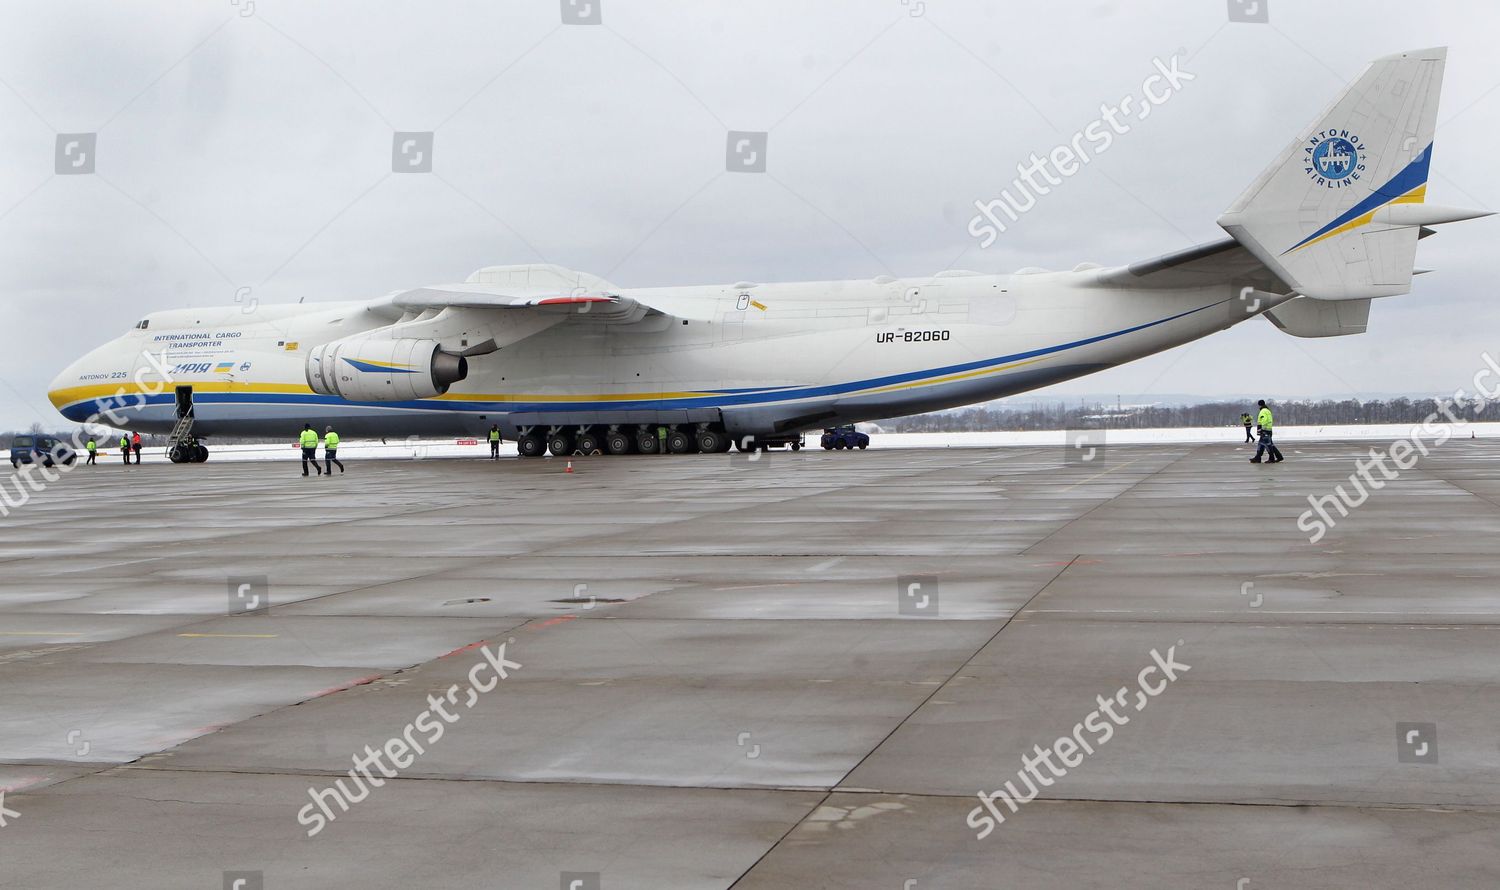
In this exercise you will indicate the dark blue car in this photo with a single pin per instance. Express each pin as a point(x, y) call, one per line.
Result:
point(845, 436)
point(44, 450)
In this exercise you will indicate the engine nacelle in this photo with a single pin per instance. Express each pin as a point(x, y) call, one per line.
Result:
point(362, 369)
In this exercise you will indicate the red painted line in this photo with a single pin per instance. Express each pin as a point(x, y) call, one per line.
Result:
point(551, 621)
point(474, 645)
point(362, 681)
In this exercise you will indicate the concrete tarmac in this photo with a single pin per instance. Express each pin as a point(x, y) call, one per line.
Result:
point(790, 672)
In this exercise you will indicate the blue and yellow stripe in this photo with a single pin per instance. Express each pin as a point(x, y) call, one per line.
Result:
point(1407, 187)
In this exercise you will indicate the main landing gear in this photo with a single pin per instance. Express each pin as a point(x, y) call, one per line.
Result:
point(565, 441)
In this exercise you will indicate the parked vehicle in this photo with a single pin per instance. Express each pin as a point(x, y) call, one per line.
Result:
point(44, 450)
point(845, 436)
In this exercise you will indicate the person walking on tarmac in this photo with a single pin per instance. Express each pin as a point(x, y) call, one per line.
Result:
point(125, 448)
point(1265, 421)
point(309, 442)
point(93, 450)
point(135, 445)
point(1245, 419)
point(494, 441)
point(331, 450)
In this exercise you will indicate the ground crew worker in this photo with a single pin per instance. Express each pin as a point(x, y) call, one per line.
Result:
point(331, 450)
point(494, 441)
point(93, 451)
point(135, 445)
point(1245, 419)
point(1266, 444)
point(309, 442)
point(125, 448)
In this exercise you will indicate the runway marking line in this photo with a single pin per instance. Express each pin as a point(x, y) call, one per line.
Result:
point(41, 633)
point(233, 636)
point(1105, 473)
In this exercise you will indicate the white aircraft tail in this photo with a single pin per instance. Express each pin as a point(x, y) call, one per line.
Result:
point(1338, 214)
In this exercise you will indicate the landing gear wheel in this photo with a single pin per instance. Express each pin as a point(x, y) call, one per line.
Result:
point(531, 445)
point(712, 442)
point(679, 442)
point(200, 454)
point(616, 442)
point(796, 446)
point(560, 444)
point(177, 454)
point(588, 443)
point(646, 441)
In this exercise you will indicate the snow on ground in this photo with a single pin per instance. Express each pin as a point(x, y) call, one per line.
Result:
point(423, 449)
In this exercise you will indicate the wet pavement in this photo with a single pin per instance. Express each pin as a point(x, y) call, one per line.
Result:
point(795, 671)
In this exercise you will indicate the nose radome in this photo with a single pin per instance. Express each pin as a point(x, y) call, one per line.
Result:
point(65, 392)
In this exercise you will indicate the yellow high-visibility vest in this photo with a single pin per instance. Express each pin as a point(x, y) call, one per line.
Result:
point(1265, 418)
point(331, 440)
point(309, 439)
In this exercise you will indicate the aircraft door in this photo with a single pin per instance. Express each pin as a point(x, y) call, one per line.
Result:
point(184, 401)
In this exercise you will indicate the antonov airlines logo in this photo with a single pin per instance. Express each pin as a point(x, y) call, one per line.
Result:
point(1334, 158)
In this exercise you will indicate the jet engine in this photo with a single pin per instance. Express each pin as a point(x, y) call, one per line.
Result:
point(362, 369)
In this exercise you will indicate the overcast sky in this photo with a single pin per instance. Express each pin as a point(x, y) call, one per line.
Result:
point(250, 144)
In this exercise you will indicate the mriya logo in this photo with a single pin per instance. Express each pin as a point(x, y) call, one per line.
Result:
point(1334, 158)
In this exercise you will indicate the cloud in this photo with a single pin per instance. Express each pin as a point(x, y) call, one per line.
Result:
point(255, 150)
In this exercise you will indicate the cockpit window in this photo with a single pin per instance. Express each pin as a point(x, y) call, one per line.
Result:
point(142, 324)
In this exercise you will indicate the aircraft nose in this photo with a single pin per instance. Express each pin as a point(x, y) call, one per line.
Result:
point(67, 393)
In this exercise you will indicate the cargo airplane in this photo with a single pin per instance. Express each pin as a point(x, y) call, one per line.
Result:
point(564, 361)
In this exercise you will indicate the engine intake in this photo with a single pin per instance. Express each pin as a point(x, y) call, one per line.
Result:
point(362, 369)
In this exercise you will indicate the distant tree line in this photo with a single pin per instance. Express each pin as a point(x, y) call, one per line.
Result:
point(1062, 416)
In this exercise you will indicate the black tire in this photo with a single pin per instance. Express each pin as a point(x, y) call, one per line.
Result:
point(679, 442)
point(647, 442)
point(863, 445)
point(200, 454)
point(796, 446)
point(560, 444)
point(617, 442)
point(712, 442)
point(531, 445)
point(838, 445)
point(588, 443)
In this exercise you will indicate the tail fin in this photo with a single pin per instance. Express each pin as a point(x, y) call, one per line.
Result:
point(1328, 216)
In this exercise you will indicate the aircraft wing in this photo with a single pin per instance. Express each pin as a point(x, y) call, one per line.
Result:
point(598, 307)
point(501, 305)
point(1214, 262)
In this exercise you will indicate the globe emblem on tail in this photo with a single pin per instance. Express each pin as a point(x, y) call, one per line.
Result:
point(1335, 159)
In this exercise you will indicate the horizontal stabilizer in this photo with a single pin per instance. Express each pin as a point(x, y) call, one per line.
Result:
point(1305, 317)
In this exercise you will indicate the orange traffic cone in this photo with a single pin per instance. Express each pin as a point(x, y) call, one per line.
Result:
point(570, 467)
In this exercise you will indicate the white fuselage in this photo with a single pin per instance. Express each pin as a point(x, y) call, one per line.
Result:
point(773, 358)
